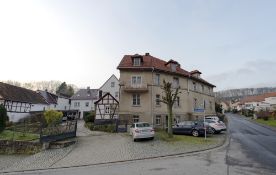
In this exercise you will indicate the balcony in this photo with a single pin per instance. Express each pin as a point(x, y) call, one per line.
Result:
point(129, 87)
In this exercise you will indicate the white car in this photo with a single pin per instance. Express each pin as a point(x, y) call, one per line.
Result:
point(141, 130)
point(217, 126)
point(215, 118)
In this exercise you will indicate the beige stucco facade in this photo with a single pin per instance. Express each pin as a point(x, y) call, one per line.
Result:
point(155, 114)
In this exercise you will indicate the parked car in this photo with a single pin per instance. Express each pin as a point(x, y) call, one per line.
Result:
point(217, 126)
point(141, 130)
point(195, 128)
point(215, 118)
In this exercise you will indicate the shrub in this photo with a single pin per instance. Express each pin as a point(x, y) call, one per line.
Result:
point(52, 116)
point(105, 128)
point(3, 117)
point(89, 117)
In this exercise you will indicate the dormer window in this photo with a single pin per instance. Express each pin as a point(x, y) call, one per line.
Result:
point(173, 67)
point(136, 61)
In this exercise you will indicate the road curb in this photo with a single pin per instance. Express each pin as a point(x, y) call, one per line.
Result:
point(222, 144)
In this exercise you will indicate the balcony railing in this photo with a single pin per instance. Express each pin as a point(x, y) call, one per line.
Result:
point(130, 87)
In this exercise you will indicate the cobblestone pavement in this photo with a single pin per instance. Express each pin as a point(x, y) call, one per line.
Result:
point(99, 147)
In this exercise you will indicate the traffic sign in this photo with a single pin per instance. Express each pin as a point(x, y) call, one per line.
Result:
point(198, 110)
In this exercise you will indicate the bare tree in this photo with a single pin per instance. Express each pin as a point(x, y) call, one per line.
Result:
point(169, 99)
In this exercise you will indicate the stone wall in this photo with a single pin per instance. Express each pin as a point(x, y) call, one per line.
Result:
point(19, 147)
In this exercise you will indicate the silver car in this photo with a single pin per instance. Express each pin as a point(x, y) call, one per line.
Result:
point(141, 130)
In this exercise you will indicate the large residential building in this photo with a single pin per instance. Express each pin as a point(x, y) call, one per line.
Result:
point(141, 79)
point(83, 100)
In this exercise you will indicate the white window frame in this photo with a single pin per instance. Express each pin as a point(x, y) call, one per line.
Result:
point(157, 100)
point(136, 99)
point(87, 104)
point(113, 84)
point(136, 61)
point(135, 118)
point(157, 79)
point(135, 82)
point(175, 82)
point(107, 109)
point(158, 120)
point(194, 86)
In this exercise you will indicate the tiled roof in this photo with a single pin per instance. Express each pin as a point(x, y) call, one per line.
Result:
point(150, 62)
point(14, 93)
point(49, 97)
point(257, 98)
point(86, 94)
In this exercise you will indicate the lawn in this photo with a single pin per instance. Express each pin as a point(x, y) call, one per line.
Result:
point(269, 122)
point(187, 139)
point(19, 136)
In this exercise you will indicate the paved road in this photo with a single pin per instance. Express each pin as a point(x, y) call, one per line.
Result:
point(251, 151)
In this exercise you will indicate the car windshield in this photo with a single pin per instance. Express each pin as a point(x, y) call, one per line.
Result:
point(140, 125)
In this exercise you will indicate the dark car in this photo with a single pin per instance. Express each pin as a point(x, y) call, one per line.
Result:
point(195, 128)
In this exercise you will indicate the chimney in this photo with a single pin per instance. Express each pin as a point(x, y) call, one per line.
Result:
point(100, 94)
point(147, 54)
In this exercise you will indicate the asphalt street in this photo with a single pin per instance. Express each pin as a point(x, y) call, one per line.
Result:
point(250, 150)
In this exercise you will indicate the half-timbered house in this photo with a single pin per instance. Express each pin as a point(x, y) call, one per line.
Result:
point(19, 102)
point(107, 107)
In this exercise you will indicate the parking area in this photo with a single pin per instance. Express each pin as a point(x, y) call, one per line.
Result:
point(99, 147)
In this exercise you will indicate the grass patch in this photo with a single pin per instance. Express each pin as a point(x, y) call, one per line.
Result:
point(19, 136)
point(269, 122)
point(187, 139)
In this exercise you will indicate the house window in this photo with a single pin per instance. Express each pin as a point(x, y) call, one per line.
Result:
point(175, 82)
point(136, 61)
point(173, 67)
point(211, 105)
point(157, 79)
point(135, 118)
point(112, 84)
point(107, 109)
point(136, 81)
point(204, 104)
point(158, 120)
point(209, 90)
point(157, 100)
point(195, 103)
point(77, 104)
point(202, 88)
point(116, 94)
point(177, 120)
point(194, 86)
point(86, 104)
point(177, 102)
point(136, 99)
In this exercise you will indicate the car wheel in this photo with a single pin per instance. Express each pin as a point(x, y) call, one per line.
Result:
point(134, 140)
point(195, 133)
point(214, 131)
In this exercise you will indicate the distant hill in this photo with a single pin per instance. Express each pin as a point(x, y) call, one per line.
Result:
point(235, 94)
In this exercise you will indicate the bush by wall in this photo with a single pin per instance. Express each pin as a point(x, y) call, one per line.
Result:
point(3, 117)
point(105, 128)
point(52, 116)
point(89, 117)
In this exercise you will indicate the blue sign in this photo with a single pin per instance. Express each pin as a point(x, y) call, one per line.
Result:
point(198, 110)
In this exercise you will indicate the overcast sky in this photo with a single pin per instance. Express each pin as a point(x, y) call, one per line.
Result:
point(233, 43)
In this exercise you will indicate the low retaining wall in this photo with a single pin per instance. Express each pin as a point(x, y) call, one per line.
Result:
point(19, 147)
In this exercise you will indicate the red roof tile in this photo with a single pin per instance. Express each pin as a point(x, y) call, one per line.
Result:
point(257, 98)
point(150, 62)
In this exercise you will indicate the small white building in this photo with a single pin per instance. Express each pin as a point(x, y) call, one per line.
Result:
point(20, 102)
point(55, 102)
point(83, 101)
point(110, 86)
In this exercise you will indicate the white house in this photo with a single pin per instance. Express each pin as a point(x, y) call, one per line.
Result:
point(55, 102)
point(20, 102)
point(110, 86)
point(83, 101)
